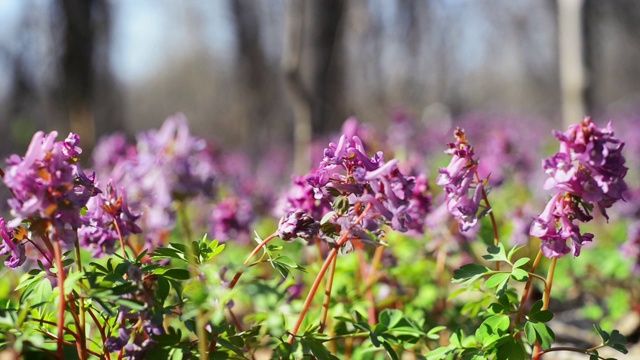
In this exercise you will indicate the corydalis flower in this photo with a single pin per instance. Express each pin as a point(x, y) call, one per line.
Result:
point(297, 224)
point(352, 181)
point(231, 219)
point(589, 164)
point(557, 225)
point(457, 179)
point(589, 171)
point(11, 246)
point(107, 214)
point(48, 184)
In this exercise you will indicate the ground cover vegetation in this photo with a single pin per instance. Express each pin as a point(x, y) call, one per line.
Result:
point(419, 244)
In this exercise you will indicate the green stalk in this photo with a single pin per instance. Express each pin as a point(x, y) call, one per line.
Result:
point(201, 332)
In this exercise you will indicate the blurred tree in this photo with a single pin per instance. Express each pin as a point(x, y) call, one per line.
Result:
point(323, 67)
point(85, 67)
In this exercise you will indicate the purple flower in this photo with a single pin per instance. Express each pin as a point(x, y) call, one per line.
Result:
point(99, 234)
point(231, 219)
point(298, 224)
point(349, 181)
point(589, 171)
point(48, 184)
point(589, 164)
point(16, 251)
point(457, 179)
point(631, 248)
point(165, 165)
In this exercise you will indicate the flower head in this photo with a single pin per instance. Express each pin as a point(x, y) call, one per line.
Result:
point(297, 224)
point(458, 180)
point(49, 184)
point(587, 172)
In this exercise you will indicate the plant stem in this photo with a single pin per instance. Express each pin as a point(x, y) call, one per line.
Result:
point(547, 289)
point(124, 252)
point(43, 321)
point(101, 329)
point(537, 351)
point(494, 224)
point(323, 270)
point(572, 349)
point(57, 254)
point(327, 296)
point(264, 242)
point(81, 326)
point(377, 257)
point(371, 309)
point(201, 332)
point(527, 288)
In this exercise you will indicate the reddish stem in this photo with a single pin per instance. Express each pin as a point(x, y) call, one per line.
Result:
point(316, 283)
point(327, 296)
point(57, 251)
point(124, 252)
point(264, 242)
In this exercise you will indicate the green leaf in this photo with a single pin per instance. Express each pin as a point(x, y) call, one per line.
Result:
point(513, 251)
point(163, 289)
point(545, 335)
point(519, 275)
point(537, 306)
point(510, 350)
point(496, 253)
point(392, 353)
point(390, 317)
point(530, 332)
point(341, 205)
point(603, 334)
point(521, 262)
point(178, 274)
point(469, 271)
point(492, 329)
point(618, 342)
point(439, 353)
point(433, 333)
point(131, 304)
point(542, 316)
point(496, 280)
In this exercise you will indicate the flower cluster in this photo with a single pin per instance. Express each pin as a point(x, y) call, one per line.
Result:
point(231, 218)
point(588, 171)
point(108, 218)
point(349, 181)
point(165, 165)
point(49, 186)
point(458, 179)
